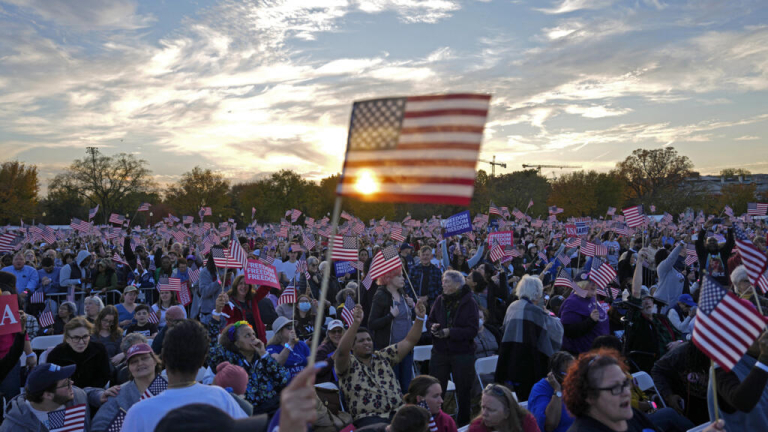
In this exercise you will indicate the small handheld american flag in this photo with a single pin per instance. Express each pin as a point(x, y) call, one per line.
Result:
point(346, 312)
point(38, 296)
point(46, 319)
point(158, 385)
point(117, 422)
point(288, 296)
point(70, 419)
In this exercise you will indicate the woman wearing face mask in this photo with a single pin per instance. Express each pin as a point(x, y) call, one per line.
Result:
point(286, 348)
point(425, 391)
point(305, 317)
point(583, 319)
point(647, 330)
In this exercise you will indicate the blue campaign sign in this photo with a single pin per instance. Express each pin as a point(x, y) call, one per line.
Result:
point(343, 267)
point(457, 224)
point(493, 225)
point(582, 228)
point(249, 230)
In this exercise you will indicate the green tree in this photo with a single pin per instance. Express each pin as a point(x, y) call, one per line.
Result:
point(734, 172)
point(737, 196)
point(198, 188)
point(18, 192)
point(113, 182)
point(649, 173)
point(62, 204)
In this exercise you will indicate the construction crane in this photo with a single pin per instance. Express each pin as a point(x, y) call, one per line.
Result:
point(539, 167)
point(493, 165)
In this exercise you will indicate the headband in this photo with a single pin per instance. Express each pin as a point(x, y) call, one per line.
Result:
point(233, 329)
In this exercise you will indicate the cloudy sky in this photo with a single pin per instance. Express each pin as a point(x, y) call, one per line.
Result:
point(250, 87)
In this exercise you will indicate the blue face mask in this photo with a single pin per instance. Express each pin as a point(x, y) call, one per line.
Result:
point(304, 307)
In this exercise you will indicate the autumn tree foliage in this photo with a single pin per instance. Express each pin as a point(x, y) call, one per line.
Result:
point(18, 192)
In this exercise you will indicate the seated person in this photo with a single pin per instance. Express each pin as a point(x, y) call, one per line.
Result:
point(546, 399)
point(142, 324)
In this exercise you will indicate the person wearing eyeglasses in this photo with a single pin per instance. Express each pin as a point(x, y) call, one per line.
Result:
point(501, 412)
point(597, 392)
point(78, 349)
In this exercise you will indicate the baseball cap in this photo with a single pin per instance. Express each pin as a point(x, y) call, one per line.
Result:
point(405, 246)
point(46, 374)
point(686, 299)
point(130, 288)
point(137, 349)
point(335, 324)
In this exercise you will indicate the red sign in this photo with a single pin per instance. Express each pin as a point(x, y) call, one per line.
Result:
point(183, 294)
point(259, 273)
point(10, 321)
point(571, 230)
point(502, 238)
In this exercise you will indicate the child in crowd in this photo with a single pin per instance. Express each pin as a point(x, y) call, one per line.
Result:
point(142, 325)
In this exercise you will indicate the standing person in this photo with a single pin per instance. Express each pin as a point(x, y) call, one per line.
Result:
point(531, 336)
point(127, 306)
point(426, 277)
point(78, 349)
point(26, 276)
point(184, 351)
point(425, 391)
point(165, 301)
point(546, 399)
point(48, 276)
point(77, 273)
point(105, 278)
point(583, 319)
point(366, 378)
point(453, 322)
point(501, 412)
point(205, 293)
point(244, 305)
point(391, 319)
point(671, 282)
point(712, 257)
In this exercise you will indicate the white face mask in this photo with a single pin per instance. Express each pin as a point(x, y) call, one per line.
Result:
point(481, 322)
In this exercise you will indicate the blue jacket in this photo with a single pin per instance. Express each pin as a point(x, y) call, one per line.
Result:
point(26, 278)
point(53, 287)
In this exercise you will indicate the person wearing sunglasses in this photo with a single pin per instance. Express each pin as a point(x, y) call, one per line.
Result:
point(501, 412)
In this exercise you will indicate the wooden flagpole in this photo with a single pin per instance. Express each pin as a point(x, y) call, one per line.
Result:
point(319, 318)
point(714, 388)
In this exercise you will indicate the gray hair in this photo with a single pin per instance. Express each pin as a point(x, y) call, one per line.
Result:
point(455, 277)
point(72, 307)
point(739, 274)
point(529, 287)
point(132, 339)
point(96, 299)
point(312, 261)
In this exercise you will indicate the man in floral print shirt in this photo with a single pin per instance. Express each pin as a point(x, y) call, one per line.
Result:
point(366, 377)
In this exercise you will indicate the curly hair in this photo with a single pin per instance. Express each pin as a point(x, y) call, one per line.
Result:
point(583, 375)
point(224, 339)
point(185, 347)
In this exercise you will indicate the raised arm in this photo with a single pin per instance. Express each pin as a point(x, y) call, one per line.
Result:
point(637, 279)
point(666, 265)
point(344, 351)
point(478, 255)
point(444, 248)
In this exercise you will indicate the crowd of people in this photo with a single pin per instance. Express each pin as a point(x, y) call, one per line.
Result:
point(135, 351)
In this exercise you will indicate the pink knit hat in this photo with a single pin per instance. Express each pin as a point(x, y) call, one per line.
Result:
point(232, 376)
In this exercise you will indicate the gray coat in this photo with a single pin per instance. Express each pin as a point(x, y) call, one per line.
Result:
point(128, 396)
point(671, 281)
point(204, 295)
point(21, 418)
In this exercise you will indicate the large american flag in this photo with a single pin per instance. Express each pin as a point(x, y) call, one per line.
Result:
point(495, 210)
point(116, 219)
point(346, 312)
point(144, 207)
point(70, 419)
point(757, 209)
point(8, 241)
point(344, 248)
point(158, 385)
point(634, 216)
point(236, 251)
point(754, 260)
point(288, 296)
point(601, 273)
point(416, 149)
point(384, 261)
point(725, 325)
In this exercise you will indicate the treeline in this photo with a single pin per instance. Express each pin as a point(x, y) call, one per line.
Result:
point(120, 183)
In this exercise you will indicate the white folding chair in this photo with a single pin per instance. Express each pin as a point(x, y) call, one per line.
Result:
point(464, 428)
point(645, 382)
point(270, 333)
point(485, 365)
point(523, 404)
point(41, 343)
point(699, 428)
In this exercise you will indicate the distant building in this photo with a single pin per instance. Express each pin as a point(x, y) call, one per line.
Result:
point(714, 184)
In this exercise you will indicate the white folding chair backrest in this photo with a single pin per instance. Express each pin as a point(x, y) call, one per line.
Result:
point(523, 404)
point(699, 428)
point(422, 353)
point(485, 365)
point(464, 428)
point(270, 333)
point(41, 343)
point(645, 382)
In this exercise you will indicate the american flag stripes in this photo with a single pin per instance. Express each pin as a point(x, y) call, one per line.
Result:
point(288, 296)
point(542, 256)
point(92, 212)
point(308, 241)
point(725, 325)
point(754, 260)
point(565, 259)
point(603, 275)
point(222, 258)
point(152, 316)
point(432, 423)
point(169, 284)
point(416, 149)
point(7, 241)
point(194, 274)
point(46, 319)
point(120, 260)
point(518, 214)
point(553, 210)
point(345, 215)
point(186, 220)
point(70, 419)
point(384, 261)
point(634, 216)
point(38, 296)
point(236, 251)
point(346, 312)
point(158, 385)
point(588, 248)
point(344, 248)
point(757, 209)
point(266, 258)
point(497, 253)
point(564, 280)
point(116, 219)
point(80, 225)
point(144, 207)
point(691, 259)
point(295, 215)
point(206, 211)
point(494, 210)
point(611, 211)
point(397, 234)
point(367, 282)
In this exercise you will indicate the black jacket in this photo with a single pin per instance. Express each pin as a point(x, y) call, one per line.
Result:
point(92, 364)
point(380, 320)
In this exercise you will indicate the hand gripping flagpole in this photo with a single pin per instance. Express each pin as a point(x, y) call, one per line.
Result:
point(319, 318)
